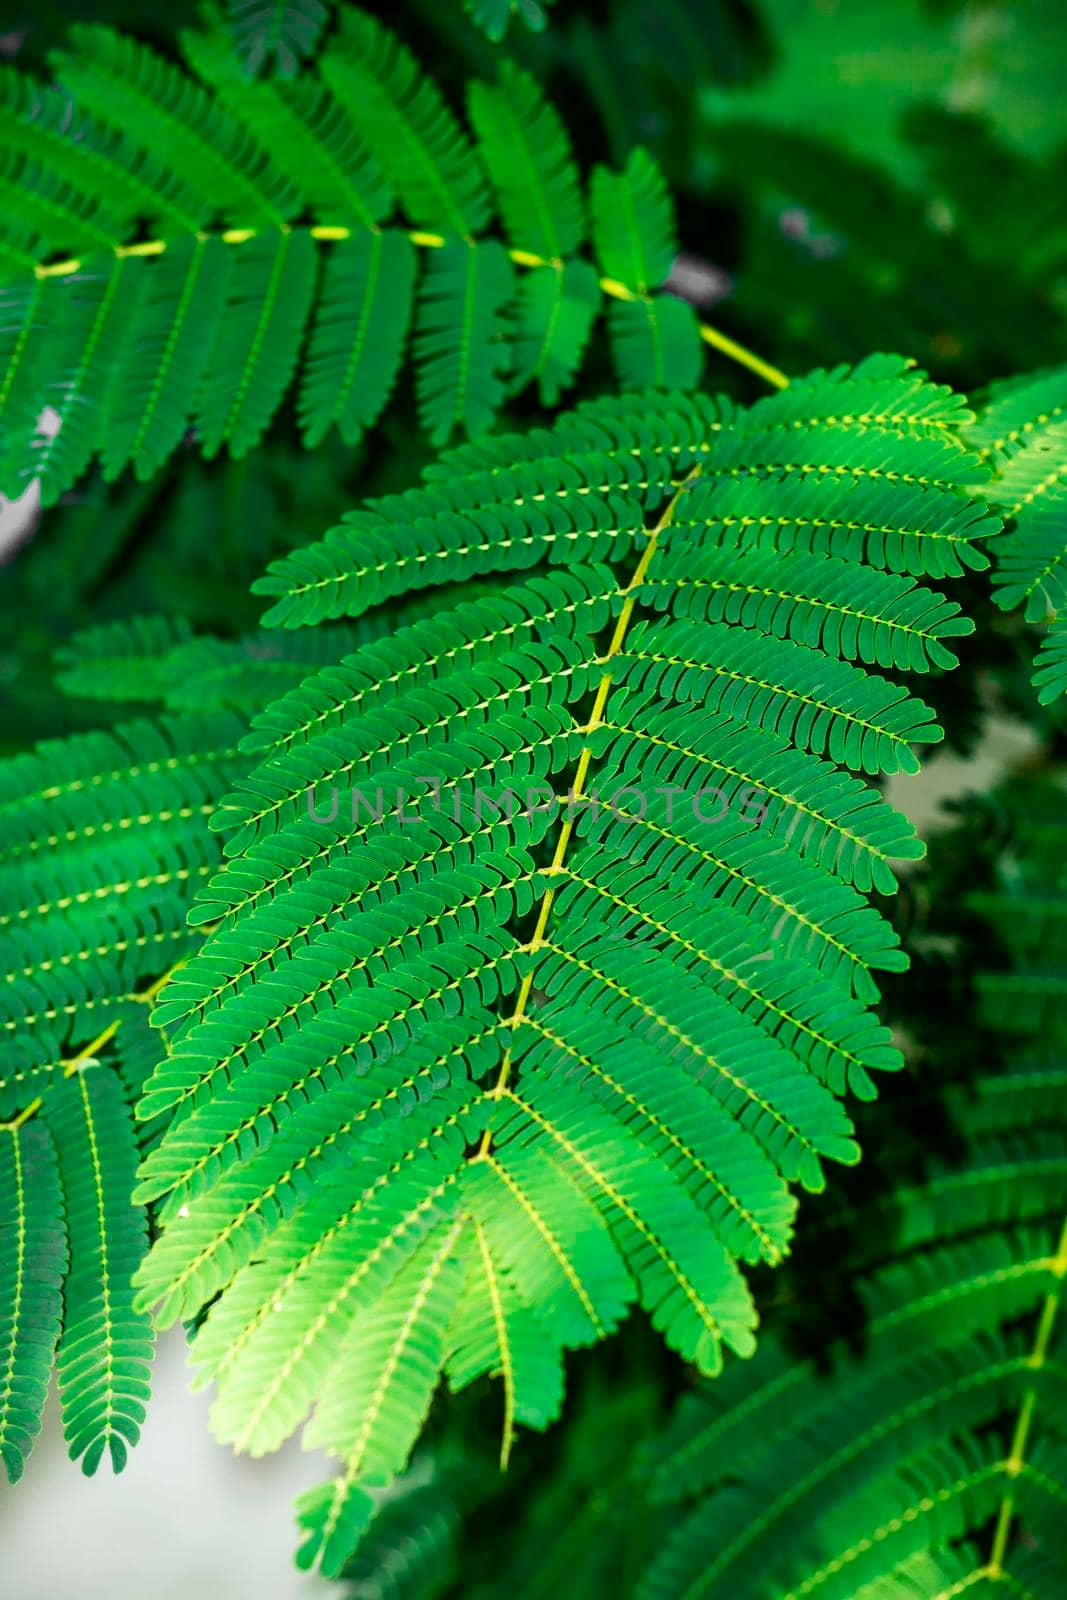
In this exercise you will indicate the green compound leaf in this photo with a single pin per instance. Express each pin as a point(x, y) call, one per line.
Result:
point(33, 1259)
point(105, 1351)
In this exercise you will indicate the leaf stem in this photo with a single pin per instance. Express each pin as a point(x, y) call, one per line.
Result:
point(328, 234)
point(1017, 1457)
point(577, 792)
point(93, 1048)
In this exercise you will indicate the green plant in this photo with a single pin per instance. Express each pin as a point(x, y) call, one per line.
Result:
point(406, 986)
point(921, 1454)
point(1023, 431)
point(222, 298)
point(588, 675)
point(912, 1464)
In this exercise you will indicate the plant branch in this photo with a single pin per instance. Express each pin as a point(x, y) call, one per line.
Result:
point(93, 1048)
point(1017, 1457)
point(596, 715)
point(434, 241)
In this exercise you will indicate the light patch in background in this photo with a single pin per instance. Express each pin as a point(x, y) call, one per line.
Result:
point(186, 1520)
point(18, 518)
point(1005, 747)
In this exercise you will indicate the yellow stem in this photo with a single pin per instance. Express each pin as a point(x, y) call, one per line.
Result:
point(87, 1052)
point(1017, 1457)
point(745, 358)
point(435, 241)
point(577, 792)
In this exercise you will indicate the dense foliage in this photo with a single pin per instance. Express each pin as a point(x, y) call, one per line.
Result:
point(466, 953)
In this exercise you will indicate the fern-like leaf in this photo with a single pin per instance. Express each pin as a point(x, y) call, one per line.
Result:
point(32, 1262)
point(530, 165)
point(931, 1460)
point(919, 1449)
point(404, 120)
point(455, 1082)
point(103, 840)
point(310, 233)
point(258, 336)
point(129, 87)
point(458, 337)
point(1022, 432)
point(349, 379)
point(656, 340)
point(106, 1347)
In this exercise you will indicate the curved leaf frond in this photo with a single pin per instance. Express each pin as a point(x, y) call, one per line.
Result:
point(312, 229)
point(459, 1076)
